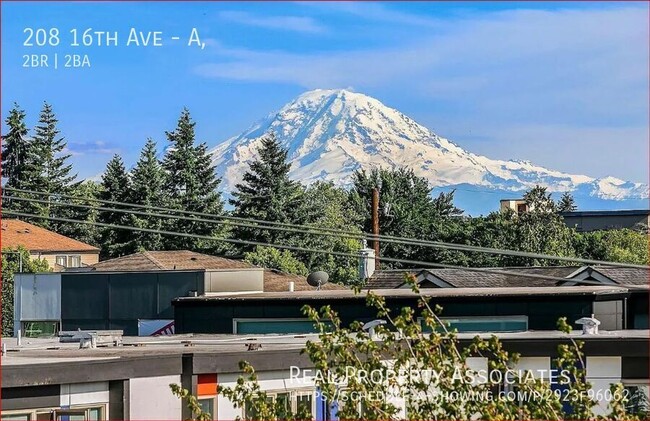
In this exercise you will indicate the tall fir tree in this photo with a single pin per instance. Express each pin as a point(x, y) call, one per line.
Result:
point(267, 193)
point(48, 169)
point(191, 183)
point(115, 185)
point(147, 188)
point(15, 147)
point(15, 156)
point(567, 203)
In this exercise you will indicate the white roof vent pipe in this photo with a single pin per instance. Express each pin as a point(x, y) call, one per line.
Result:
point(589, 325)
point(370, 327)
point(366, 262)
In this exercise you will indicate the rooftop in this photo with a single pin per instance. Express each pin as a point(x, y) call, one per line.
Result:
point(50, 350)
point(274, 280)
point(465, 278)
point(39, 240)
point(622, 212)
point(407, 293)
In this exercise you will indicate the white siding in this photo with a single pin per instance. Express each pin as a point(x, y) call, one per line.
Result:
point(150, 398)
point(601, 373)
point(84, 394)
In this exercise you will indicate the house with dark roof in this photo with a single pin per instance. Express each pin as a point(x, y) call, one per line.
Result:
point(584, 221)
point(274, 280)
point(59, 251)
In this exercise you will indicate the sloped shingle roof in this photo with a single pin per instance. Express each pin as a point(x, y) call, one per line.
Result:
point(39, 240)
point(463, 278)
point(274, 280)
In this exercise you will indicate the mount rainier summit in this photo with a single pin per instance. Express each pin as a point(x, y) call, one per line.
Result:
point(332, 133)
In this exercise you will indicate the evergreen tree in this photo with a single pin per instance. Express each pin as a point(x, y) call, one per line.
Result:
point(267, 193)
point(15, 147)
point(147, 188)
point(47, 167)
point(15, 152)
point(85, 194)
point(406, 209)
point(115, 187)
point(191, 182)
point(566, 203)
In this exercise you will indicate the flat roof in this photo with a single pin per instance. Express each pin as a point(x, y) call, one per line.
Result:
point(622, 212)
point(407, 293)
point(50, 350)
point(39, 362)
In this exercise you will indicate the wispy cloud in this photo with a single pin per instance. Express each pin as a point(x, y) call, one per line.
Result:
point(578, 73)
point(97, 147)
point(284, 23)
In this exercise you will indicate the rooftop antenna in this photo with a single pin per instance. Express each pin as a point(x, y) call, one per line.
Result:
point(317, 279)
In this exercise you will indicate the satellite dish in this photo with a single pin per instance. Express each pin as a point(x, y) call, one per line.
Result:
point(317, 279)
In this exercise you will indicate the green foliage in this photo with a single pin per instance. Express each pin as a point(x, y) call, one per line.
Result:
point(147, 189)
point(267, 193)
point(620, 245)
point(48, 167)
point(327, 206)
point(191, 182)
point(406, 209)
point(115, 187)
point(269, 257)
point(566, 203)
point(15, 147)
point(11, 264)
point(192, 403)
point(85, 193)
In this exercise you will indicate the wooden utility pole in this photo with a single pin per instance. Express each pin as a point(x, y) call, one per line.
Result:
point(375, 224)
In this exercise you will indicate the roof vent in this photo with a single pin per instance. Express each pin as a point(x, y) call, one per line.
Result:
point(589, 325)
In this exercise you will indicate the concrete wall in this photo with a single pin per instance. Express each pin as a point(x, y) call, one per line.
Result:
point(37, 297)
point(150, 398)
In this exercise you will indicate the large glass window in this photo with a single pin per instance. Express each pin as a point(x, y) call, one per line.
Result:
point(287, 402)
point(280, 326)
point(485, 324)
point(207, 405)
point(40, 329)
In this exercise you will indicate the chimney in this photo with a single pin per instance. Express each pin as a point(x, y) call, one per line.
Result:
point(589, 325)
point(366, 262)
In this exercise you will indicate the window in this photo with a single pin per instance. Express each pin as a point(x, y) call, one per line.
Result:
point(638, 402)
point(207, 405)
point(42, 329)
point(485, 324)
point(261, 326)
point(17, 417)
point(289, 402)
point(73, 261)
point(96, 413)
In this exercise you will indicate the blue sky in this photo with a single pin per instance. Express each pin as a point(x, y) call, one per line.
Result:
point(564, 85)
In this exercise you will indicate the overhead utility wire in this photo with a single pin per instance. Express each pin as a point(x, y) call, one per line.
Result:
point(306, 229)
point(304, 249)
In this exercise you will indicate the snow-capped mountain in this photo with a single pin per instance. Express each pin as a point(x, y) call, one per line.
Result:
point(332, 133)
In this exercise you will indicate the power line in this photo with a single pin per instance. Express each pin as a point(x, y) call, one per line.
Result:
point(304, 249)
point(307, 229)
